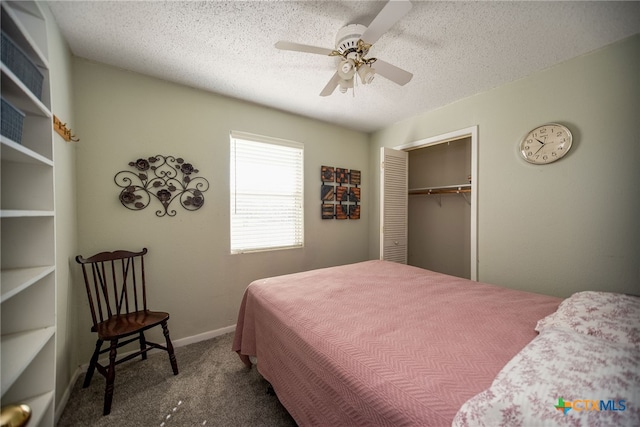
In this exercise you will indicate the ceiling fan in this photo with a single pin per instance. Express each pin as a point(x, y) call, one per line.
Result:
point(352, 46)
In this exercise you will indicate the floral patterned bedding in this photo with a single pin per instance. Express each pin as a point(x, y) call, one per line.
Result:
point(582, 370)
point(611, 317)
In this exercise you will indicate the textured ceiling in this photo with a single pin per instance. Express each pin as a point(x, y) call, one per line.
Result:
point(454, 49)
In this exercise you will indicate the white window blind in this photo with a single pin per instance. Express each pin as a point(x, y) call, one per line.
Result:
point(266, 193)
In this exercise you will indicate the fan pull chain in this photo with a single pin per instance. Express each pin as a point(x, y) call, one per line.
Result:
point(355, 83)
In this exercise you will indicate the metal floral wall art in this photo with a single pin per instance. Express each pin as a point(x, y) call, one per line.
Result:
point(164, 178)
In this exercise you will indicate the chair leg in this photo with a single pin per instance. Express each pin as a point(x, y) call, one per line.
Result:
point(143, 345)
point(172, 356)
point(111, 376)
point(92, 364)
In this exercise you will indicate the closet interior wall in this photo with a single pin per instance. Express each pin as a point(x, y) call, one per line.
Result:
point(439, 225)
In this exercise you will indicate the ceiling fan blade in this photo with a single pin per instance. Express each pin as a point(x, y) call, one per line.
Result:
point(297, 47)
point(331, 86)
point(391, 13)
point(391, 72)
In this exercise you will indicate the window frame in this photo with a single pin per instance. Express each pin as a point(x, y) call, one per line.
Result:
point(297, 236)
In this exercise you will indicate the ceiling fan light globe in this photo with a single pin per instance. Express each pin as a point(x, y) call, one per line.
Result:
point(366, 74)
point(345, 84)
point(346, 69)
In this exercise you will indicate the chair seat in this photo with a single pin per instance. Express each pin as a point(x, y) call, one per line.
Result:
point(126, 324)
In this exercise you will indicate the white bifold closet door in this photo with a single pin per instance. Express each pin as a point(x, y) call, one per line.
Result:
point(394, 195)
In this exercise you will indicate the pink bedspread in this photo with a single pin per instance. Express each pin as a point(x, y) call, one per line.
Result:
point(381, 343)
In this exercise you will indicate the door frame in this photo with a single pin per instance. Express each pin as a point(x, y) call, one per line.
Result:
point(471, 132)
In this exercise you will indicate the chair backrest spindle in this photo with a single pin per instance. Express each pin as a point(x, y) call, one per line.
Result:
point(98, 284)
point(123, 288)
point(114, 285)
point(135, 285)
point(88, 288)
point(144, 284)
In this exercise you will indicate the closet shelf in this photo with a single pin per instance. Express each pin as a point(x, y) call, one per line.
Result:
point(445, 189)
point(14, 152)
point(24, 213)
point(19, 350)
point(39, 405)
point(15, 280)
point(461, 189)
point(24, 23)
point(20, 96)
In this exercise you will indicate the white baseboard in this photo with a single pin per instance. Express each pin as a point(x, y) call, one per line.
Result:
point(203, 336)
point(62, 402)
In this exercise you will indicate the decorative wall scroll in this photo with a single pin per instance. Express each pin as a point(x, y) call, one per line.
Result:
point(164, 178)
point(340, 193)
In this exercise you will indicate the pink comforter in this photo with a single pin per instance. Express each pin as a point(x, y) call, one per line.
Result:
point(380, 343)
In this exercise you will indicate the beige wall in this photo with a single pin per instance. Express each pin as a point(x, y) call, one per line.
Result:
point(564, 227)
point(65, 203)
point(123, 116)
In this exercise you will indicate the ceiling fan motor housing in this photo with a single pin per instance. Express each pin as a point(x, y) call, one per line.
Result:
point(347, 39)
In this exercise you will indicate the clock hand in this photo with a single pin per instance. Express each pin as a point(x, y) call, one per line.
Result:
point(540, 141)
point(539, 149)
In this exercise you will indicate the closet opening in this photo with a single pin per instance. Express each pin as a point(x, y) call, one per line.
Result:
point(439, 208)
point(442, 203)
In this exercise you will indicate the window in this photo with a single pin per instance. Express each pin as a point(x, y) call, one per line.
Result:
point(266, 193)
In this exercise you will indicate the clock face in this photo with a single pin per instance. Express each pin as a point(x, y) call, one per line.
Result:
point(546, 144)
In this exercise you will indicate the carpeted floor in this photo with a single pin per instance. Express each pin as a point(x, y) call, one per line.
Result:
point(213, 388)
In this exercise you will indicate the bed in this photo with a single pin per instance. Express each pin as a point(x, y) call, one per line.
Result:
point(381, 343)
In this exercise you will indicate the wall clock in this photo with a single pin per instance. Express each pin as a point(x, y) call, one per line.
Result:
point(546, 143)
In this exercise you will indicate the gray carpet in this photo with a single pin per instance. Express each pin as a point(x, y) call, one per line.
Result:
point(213, 388)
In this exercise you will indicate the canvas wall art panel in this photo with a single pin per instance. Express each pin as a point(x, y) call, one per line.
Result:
point(340, 193)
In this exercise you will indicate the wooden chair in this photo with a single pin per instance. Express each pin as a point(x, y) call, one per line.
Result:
point(116, 289)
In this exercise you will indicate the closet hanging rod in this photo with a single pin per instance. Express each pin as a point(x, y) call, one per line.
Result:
point(447, 189)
